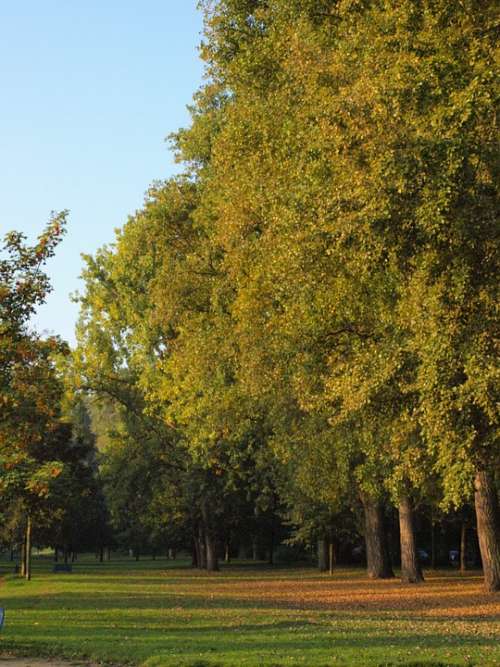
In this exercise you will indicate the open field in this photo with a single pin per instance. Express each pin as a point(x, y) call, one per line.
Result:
point(152, 613)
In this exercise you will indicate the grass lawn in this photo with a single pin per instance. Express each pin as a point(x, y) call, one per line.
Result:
point(153, 613)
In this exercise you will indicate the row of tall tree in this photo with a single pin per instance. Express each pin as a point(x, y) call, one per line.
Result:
point(308, 314)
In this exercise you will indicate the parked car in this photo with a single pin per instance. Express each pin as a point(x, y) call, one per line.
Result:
point(423, 556)
point(358, 554)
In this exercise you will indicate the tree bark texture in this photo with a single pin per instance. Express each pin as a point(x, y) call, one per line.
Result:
point(201, 548)
point(23, 557)
point(433, 544)
point(411, 572)
point(323, 564)
point(488, 528)
point(331, 556)
point(463, 547)
point(28, 549)
point(255, 548)
point(271, 544)
point(194, 553)
point(212, 562)
point(378, 560)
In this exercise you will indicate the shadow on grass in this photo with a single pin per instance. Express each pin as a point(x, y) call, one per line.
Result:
point(349, 600)
point(112, 615)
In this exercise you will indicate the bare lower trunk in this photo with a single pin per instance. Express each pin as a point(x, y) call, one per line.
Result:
point(411, 572)
point(378, 560)
point(23, 557)
point(212, 562)
point(28, 549)
point(331, 556)
point(463, 547)
point(323, 563)
point(255, 549)
point(488, 528)
point(433, 544)
point(195, 552)
point(271, 545)
point(202, 551)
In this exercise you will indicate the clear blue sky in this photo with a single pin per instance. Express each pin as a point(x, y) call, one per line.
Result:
point(89, 92)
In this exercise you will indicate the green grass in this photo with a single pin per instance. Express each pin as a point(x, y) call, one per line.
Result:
point(154, 614)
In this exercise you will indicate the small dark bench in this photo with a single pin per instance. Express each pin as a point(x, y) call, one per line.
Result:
point(62, 567)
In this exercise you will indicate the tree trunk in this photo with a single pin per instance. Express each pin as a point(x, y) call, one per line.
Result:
point(463, 547)
point(378, 560)
point(194, 552)
point(331, 555)
point(212, 562)
point(211, 546)
point(56, 554)
point(202, 550)
point(411, 572)
point(271, 543)
point(227, 553)
point(323, 563)
point(11, 557)
point(255, 549)
point(488, 531)
point(101, 555)
point(433, 544)
point(23, 557)
point(28, 549)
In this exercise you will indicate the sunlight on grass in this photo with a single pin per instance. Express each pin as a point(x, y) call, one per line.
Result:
point(154, 614)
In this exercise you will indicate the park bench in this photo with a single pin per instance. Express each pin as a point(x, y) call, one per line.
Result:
point(62, 567)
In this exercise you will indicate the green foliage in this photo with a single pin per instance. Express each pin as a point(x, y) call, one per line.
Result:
point(30, 391)
point(308, 314)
